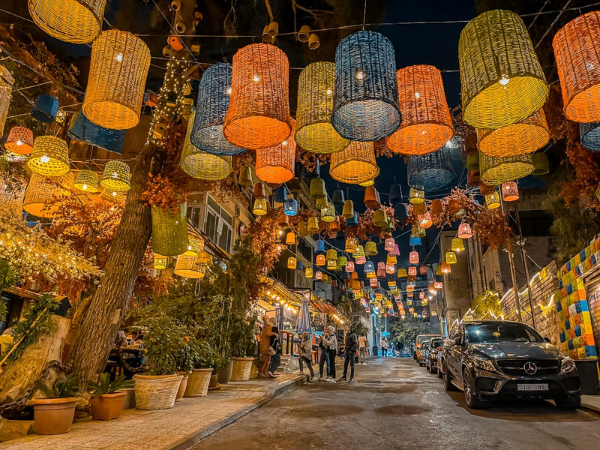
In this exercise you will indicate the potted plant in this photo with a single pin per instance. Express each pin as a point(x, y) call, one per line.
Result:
point(199, 379)
point(158, 388)
point(54, 414)
point(107, 398)
point(186, 359)
point(243, 346)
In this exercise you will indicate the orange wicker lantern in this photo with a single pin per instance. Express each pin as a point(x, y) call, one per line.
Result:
point(355, 164)
point(577, 53)
point(413, 258)
point(259, 109)
point(20, 141)
point(446, 269)
point(436, 209)
point(510, 191)
point(486, 189)
point(426, 122)
point(276, 164)
point(320, 260)
point(43, 195)
point(412, 271)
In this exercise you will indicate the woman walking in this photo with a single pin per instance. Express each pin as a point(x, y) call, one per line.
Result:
point(306, 355)
point(331, 350)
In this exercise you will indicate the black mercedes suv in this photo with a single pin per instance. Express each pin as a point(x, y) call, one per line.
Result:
point(493, 359)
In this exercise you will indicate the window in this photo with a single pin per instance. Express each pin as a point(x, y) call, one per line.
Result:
point(218, 224)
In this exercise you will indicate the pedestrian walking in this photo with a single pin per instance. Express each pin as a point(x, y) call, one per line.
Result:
point(384, 348)
point(362, 349)
point(332, 351)
point(351, 349)
point(305, 353)
point(323, 356)
point(264, 345)
point(275, 351)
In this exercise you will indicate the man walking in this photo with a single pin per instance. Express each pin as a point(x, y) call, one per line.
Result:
point(384, 348)
point(362, 349)
point(351, 348)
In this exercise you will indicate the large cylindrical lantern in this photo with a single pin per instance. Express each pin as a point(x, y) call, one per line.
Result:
point(85, 130)
point(117, 80)
point(259, 110)
point(577, 53)
point(355, 164)
point(43, 195)
point(200, 164)
point(495, 171)
point(501, 78)
point(115, 177)
point(314, 131)
point(431, 171)
point(76, 21)
point(426, 122)
point(214, 93)
point(516, 139)
point(87, 181)
point(188, 267)
point(50, 156)
point(6, 82)
point(19, 140)
point(169, 230)
point(365, 105)
point(589, 134)
point(276, 164)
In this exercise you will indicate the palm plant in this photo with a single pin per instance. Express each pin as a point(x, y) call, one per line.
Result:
point(65, 388)
point(104, 385)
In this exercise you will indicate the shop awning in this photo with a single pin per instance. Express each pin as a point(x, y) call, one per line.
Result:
point(324, 307)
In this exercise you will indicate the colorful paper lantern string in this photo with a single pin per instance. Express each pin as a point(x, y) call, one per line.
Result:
point(432, 171)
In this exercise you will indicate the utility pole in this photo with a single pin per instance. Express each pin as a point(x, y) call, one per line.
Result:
point(513, 272)
point(525, 265)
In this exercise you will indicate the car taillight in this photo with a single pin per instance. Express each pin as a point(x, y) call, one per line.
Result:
point(439, 349)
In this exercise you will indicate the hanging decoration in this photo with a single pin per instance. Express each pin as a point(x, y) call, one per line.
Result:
point(19, 140)
point(118, 71)
point(84, 130)
point(432, 171)
point(541, 164)
point(308, 273)
point(44, 195)
point(260, 207)
point(160, 262)
point(45, 108)
point(416, 196)
point(87, 181)
point(426, 122)
point(116, 177)
point(464, 231)
point(291, 207)
point(501, 79)
point(187, 267)
point(365, 106)
point(317, 189)
point(290, 238)
point(589, 135)
point(169, 230)
point(276, 164)
point(495, 171)
point(457, 245)
point(510, 191)
point(6, 84)
point(355, 164)
point(292, 262)
point(50, 157)
point(320, 260)
point(451, 258)
point(492, 200)
point(328, 213)
point(413, 257)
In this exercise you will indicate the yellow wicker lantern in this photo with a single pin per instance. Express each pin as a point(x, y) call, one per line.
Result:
point(6, 82)
point(331, 254)
point(276, 164)
point(355, 164)
point(451, 257)
point(87, 181)
point(260, 207)
point(371, 248)
point(195, 246)
point(348, 210)
point(50, 157)
point(292, 262)
point(19, 140)
point(457, 245)
point(204, 258)
point(332, 264)
point(495, 171)
point(391, 259)
point(314, 131)
point(188, 267)
point(351, 245)
point(114, 197)
point(367, 183)
point(259, 110)
point(76, 21)
point(43, 195)
point(328, 213)
point(516, 139)
point(116, 177)
point(501, 78)
point(117, 80)
point(313, 225)
point(308, 273)
point(426, 122)
point(290, 238)
point(492, 200)
point(360, 252)
point(169, 230)
point(416, 196)
point(160, 262)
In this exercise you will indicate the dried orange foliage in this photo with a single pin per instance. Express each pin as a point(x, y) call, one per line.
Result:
point(583, 185)
point(493, 229)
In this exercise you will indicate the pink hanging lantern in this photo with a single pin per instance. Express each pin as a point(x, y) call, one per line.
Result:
point(438, 285)
point(319, 275)
point(421, 295)
point(510, 191)
point(412, 271)
point(390, 268)
point(413, 258)
point(381, 269)
point(464, 231)
point(350, 267)
point(360, 260)
point(374, 283)
point(396, 251)
point(389, 244)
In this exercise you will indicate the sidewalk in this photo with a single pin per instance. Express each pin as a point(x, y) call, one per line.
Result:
point(591, 402)
point(189, 421)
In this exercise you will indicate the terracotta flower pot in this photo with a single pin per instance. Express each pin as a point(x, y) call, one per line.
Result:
point(198, 382)
point(182, 386)
point(225, 373)
point(54, 415)
point(107, 406)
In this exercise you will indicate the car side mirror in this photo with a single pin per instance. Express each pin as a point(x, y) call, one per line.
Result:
point(547, 339)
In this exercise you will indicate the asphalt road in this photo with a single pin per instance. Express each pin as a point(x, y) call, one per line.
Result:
point(395, 404)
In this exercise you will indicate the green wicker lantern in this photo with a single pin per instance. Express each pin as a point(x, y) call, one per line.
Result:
point(169, 230)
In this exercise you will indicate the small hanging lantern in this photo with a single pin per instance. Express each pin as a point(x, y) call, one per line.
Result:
point(360, 251)
point(445, 268)
point(319, 247)
point(169, 230)
point(45, 194)
point(495, 171)
point(308, 273)
point(332, 254)
point(321, 203)
point(355, 164)
point(303, 229)
point(360, 260)
point(492, 200)
point(328, 213)
point(342, 261)
point(371, 248)
point(276, 164)
point(45, 109)
point(188, 267)
point(283, 221)
point(348, 210)
point(245, 178)
point(87, 181)
point(292, 262)
point(19, 141)
point(412, 271)
point(510, 191)
point(290, 238)
point(195, 246)
point(413, 257)
point(416, 196)
point(317, 188)
point(338, 198)
point(422, 270)
point(457, 245)
point(320, 261)
point(280, 195)
point(540, 164)
point(372, 200)
point(50, 157)
point(116, 177)
point(414, 241)
point(451, 258)
point(380, 219)
point(319, 275)
point(332, 264)
point(425, 221)
point(390, 259)
point(396, 251)
point(374, 283)
point(402, 273)
point(260, 207)
point(389, 245)
point(370, 274)
point(350, 267)
point(351, 245)
point(259, 191)
point(400, 211)
point(438, 285)
point(335, 226)
point(313, 225)
point(432, 171)
point(160, 262)
point(369, 266)
point(485, 189)
point(464, 231)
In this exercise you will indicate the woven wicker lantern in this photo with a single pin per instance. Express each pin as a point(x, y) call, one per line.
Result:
point(519, 138)
point(160, 262)
point(413, 257)
point(510, 191)
point(389, 244)
point(577, 52)
point(259, 110)
point(43, 195)
point(19, 140)
point(169, 230)
point(50, 157)
point(291, 207)
point(495, 171)
point(541, 164)
point(451, 257)
point(391, 259)
point(426, 122)
point(45, 108)
point(381, 269)
point(318, 275)
point(351, 245)
point(425, 221)
point(432, 171)
point(380, 218)
point(320, 260)
point(355, 164)
point(328, 213)
point(360, 252)
point(118, 72)
point(464, 231)
point(371, 248)
point(292, 262)
point(342, 261)
point(276, 164)
point(457, 245)
point(308, 273)
point(188, 267)
point(332, 264)
point(214, 92)
point(369, 267)
point(313, 225)
point(260, 207)
point(317, 188)
point(416, 196)
point(473, 178)
point(485, 189)
point(492, 200)
point(589, 135)
point(195, 246)
point(314, 131)
point(116, 177)
point(365, 106)
point(290, 238)
point(87, 181)
point(200, 164)
point(6, 82)
point(76, 21)
point(349, 267)
point(86, 131)
point(414, 241)
point(402, 273)
point(501, 78)
point(412, 271)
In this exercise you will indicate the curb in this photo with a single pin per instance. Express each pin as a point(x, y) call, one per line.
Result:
point(270, 394)
point(590, 408)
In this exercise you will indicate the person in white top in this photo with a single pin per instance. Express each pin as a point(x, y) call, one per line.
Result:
point(362, 349)
point(384, 347)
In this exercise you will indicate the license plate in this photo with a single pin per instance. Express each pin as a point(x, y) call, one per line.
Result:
point(532, 387)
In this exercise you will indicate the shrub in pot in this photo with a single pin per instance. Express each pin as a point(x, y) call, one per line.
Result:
point(107, 399)
point(186, 359)
point(199, 379)
point(54, 414)
point(243, 346)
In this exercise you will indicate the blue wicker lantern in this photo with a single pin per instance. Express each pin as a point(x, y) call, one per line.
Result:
point(432, 171)
point(353, 221)
point(85, 130)
point(415, 241)
point(281, 194)
point(291, 207)
point(319, 247)
point(214, 92)
point(369, 266)
point(589, 134)
point(45, 108)
point(365, 104)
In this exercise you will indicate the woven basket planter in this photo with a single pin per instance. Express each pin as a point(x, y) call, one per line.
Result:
point(182, 385)
point(198, 382)
point(156, 392)
point(241, 369)
point(254, 369)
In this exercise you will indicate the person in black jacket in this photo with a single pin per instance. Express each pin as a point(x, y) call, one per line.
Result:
point(351, 348)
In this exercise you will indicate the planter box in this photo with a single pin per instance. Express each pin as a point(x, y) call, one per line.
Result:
point(156, 391)
point(198, 382)
point(107, 406)
point(241, 369)
point(54, 415)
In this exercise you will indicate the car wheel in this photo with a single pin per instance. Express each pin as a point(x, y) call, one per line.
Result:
point(568, 403)
point(447, 380)
point(473, 400)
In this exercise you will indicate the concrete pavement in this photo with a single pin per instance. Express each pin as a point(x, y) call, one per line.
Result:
point(395, 404)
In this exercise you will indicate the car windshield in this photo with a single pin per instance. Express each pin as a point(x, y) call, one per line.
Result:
point(422, 338)
point(435, 343)
point(501, 332)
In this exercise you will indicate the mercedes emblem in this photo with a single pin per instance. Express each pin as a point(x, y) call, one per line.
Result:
point(530, 368)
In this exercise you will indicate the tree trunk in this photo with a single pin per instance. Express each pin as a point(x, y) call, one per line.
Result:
point(102, 320)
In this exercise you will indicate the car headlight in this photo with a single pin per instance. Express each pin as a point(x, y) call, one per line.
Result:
point(484, 364)
point(567, 364)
